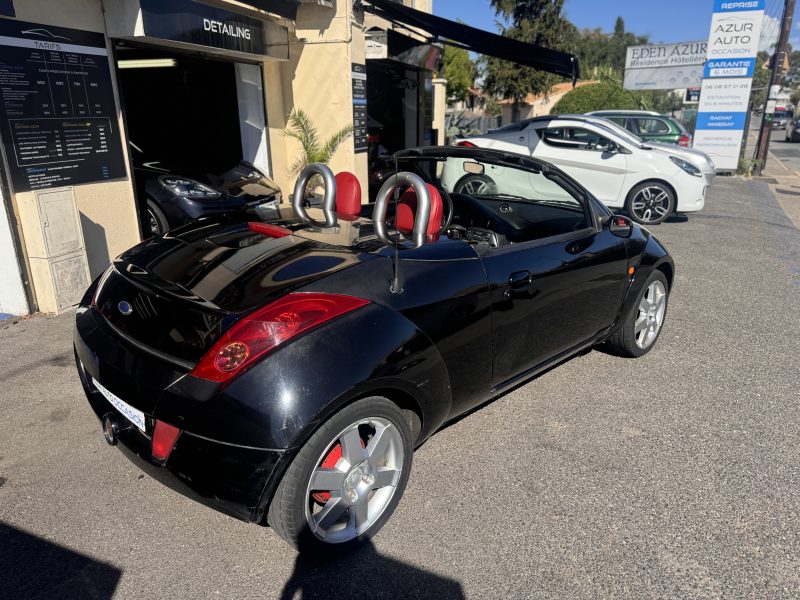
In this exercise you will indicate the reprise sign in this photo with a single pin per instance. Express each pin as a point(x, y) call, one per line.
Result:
point(664, 66)
point(195, 23)
point(728, 71)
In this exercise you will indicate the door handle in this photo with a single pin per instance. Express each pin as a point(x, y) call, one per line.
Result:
point(519, 282)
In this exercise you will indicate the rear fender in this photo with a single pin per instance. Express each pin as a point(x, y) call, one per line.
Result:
point(282, 400)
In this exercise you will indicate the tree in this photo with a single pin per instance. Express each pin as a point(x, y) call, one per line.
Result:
point(608, 94)
point(303, 130)
point(459, 70)
point(536, 22)
point(758, 95)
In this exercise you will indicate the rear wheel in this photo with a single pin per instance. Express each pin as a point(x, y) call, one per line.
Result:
point(638, 334)
point(346, 481)
point(475, 185)
point(649, 203)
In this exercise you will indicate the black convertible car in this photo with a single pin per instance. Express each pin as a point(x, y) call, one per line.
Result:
point(283, 372)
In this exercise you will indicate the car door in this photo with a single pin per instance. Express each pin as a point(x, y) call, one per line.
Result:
point(551, 294)
point(586, 155)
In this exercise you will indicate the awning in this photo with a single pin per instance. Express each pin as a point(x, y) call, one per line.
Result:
point(477, 40)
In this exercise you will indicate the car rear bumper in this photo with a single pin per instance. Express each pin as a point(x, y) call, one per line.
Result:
point(227, 477)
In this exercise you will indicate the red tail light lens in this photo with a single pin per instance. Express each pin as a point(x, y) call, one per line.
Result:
point(684, 141)
point(261, 331)
point(466, 144)
point(164, 438)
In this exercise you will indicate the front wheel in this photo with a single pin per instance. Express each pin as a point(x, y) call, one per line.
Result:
point(638, 333)
point(347, 479)
point(649, 203)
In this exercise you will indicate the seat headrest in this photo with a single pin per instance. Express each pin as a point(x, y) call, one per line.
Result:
point(348, 196)
point(407, 211)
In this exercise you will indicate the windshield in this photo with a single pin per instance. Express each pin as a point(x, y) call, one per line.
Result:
point(501, 200)
point(779, 114)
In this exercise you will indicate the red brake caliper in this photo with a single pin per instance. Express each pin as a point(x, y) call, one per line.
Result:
point(329, 462)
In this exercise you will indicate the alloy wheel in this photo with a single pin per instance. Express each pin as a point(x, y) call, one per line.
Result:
point(355, 480)
point(652, 308)
point(651, 204)
point(152, 223)
point(475, 187)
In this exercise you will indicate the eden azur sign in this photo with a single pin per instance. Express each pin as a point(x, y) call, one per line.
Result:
point(664, 66)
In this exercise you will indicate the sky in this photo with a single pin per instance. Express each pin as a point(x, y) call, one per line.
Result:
point(673, 21)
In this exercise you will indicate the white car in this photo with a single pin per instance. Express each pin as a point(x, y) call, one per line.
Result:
point(650, 182)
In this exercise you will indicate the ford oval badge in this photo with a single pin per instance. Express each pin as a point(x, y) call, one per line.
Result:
point(125, 307)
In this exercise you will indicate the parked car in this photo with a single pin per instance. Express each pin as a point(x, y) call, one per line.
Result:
point(648, 180)
point(780, 119)
point(649, 125)
point(283, 372)
point(793, 130)
point(169, 196)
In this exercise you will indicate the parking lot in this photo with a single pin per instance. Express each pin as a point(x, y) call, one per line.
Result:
point(671, 476)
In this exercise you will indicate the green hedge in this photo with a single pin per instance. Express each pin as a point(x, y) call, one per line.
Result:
point(597, 96)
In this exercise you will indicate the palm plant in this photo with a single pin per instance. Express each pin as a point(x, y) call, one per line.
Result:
point(303, 130)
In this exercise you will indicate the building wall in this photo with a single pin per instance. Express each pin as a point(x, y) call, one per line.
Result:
point(317, 79)
point(12, 294)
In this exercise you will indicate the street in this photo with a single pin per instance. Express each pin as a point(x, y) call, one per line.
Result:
point(671, 476)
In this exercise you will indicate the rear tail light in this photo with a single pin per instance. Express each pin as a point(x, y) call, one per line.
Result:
point(263, 330)
point(684, 141)
point(466, 144)
point(164, 438)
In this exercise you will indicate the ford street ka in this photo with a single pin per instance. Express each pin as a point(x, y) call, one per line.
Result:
point(283, 371)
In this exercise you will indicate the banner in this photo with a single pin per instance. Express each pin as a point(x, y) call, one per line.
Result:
point(728, 72)
point(664, 66)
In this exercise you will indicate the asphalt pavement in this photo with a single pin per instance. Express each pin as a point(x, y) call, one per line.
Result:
point(671, 476)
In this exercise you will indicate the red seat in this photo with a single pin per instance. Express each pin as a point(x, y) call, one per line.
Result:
point(348, 196)
point(407, 210)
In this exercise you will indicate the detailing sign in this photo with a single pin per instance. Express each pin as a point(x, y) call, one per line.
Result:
point(58, 117)
point(664, 66)
point(195, 23)
point(725, 95)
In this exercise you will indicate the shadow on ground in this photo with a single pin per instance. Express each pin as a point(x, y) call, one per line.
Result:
point(32, 567)
point(365, 574)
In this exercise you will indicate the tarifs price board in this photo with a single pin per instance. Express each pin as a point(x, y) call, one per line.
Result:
point(58, 117)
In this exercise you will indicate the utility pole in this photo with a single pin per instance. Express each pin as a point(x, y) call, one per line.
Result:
point(776, 78)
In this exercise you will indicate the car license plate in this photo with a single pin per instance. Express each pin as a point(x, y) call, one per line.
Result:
point(133, 415)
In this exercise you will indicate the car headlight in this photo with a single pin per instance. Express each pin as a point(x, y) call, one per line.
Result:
point(183, 186)
point(686, 166)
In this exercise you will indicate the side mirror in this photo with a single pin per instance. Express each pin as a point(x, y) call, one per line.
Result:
point(620, 226)
point(611, 148)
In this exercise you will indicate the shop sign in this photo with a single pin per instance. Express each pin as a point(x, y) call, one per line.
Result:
point(725, 96)
point(692, 96)
point(195, 23)
point(359, 78)
point(664, 66)
point(58, 117)
point(721, 117)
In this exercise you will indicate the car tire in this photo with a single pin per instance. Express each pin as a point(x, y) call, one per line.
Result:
point(331, 499)
point(474, 184)
point(155, 221)
point(650, 203)
point(638, 333)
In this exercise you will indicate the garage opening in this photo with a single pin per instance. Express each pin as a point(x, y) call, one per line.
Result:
point(197, 130)
point(191, 112)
